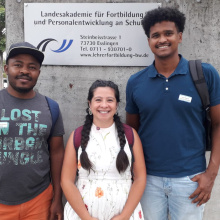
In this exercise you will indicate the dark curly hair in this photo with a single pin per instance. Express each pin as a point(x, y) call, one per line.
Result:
point(163, 14)
point(122, 161)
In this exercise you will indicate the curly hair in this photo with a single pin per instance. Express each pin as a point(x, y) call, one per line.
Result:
point(122, 161)
point(163, 14)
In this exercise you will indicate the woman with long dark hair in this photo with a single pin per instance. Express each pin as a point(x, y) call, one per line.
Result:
point(104, 189)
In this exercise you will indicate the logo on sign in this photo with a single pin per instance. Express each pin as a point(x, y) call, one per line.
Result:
point(65, 46)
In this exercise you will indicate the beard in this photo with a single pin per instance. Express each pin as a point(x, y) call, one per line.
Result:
point(21, 90)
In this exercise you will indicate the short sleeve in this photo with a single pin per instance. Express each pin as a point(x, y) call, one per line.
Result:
point(213, 82)
point(131, 106)
point(58, 127)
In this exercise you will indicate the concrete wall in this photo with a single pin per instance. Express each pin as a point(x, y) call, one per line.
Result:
point(69, 84)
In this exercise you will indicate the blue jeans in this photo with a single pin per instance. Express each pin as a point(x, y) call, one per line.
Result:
point(170, 196)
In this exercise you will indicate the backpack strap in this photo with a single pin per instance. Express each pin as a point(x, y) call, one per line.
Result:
point(201, 86)
point(199, 81)
point(54, 111)
point(129, 134)
point(77, 138)
point(130, 137)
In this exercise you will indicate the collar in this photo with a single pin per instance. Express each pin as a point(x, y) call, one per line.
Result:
point(181, 69)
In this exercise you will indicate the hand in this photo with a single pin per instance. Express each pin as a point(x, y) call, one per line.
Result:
point(203, 192)
point(56, 211)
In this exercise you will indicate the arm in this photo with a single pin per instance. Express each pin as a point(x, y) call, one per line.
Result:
point(133, 120)
point(56, 161)
point(138, 186)
point(206, 180)
point(68, 176)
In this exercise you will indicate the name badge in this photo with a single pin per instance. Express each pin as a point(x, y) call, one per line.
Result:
point(185, 98)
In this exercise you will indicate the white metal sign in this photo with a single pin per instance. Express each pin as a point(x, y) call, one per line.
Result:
point(105, 34)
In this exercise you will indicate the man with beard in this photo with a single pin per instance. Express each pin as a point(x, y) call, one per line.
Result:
point(163, 105)
point(31, 143)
